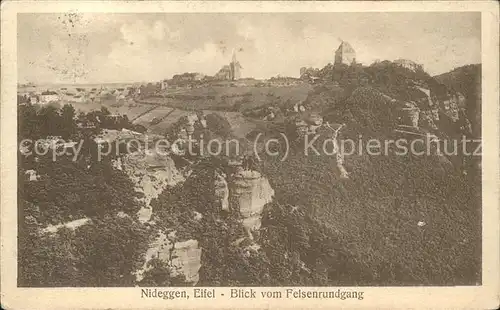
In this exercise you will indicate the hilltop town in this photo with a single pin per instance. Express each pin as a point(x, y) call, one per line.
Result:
point(193, 90)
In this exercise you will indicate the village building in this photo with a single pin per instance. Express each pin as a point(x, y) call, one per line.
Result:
point(34, 99)
point(78, 98)
point(164, 85)
point(345, 54)
point(186, 78)
point(224, 73)
point(199, 76)
point(281, 81)
point(230, 72)
point(49, 96)
point(235, 68)
point(308, 73)
point(408, 64)
point(149, 90)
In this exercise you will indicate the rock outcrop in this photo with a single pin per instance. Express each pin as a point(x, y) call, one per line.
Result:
point(428, 118)
point(307, 123)
point(70, 225)
point(184, 257)
point(31, 175)
point(410, 114)
point(332, 132)
point(222, 190)
point(450, 108)
point(152, 173)
point(186, 260)
point(250, 191)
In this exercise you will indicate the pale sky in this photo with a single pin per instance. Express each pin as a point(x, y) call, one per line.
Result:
point(102, 48)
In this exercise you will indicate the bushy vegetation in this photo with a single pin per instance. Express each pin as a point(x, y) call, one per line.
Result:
point(159, 274)
point(103, 252)
point(39, 122)
point(375, 214)
point(467, 80)
point(218, 125)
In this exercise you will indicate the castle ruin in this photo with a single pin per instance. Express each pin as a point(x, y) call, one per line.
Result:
point(345, 54)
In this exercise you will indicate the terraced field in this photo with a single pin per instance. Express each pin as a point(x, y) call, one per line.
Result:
point(130, 111)
point(227, 101)
point(157, 113)
point(231, 98)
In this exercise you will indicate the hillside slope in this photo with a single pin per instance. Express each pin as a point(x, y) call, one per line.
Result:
point(467, 80)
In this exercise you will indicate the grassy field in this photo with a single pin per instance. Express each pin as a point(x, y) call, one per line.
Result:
point(231, 98)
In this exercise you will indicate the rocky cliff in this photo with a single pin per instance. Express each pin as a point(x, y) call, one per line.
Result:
point(183, 257)
point(186, 259)
point(250, 191)
point(466, 81)
point(152, 173)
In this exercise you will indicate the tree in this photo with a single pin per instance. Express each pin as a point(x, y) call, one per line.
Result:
point(68, 126)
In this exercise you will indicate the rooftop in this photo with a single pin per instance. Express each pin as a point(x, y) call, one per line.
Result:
point(49, 92)
point(345, 47)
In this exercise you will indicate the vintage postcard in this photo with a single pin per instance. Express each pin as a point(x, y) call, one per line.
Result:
point(249, 155)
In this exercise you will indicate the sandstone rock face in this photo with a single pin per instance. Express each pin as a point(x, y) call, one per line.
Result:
point(222, 190)
point(183, 257)
point(186, 259)
point(450, 108)
point(414, 115)
point(111, 136)
point(410, 114)
point(71, 225)
point(151, 173)
point(427, 119)
point(251, 191)
point(31, 175)
point(153, 251)
point(435, 114)
point(308, 123)
point(332, 132)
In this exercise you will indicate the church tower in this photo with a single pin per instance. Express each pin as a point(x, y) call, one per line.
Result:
point(235, 68)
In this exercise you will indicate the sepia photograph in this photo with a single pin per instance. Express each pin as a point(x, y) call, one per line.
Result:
point(248, 150)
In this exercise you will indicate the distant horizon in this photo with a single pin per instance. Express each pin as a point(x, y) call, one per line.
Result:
point(154, 81)
point(100, 48)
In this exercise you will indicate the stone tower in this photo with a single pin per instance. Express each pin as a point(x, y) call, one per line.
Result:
point(235, 68)
point(345, 54)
